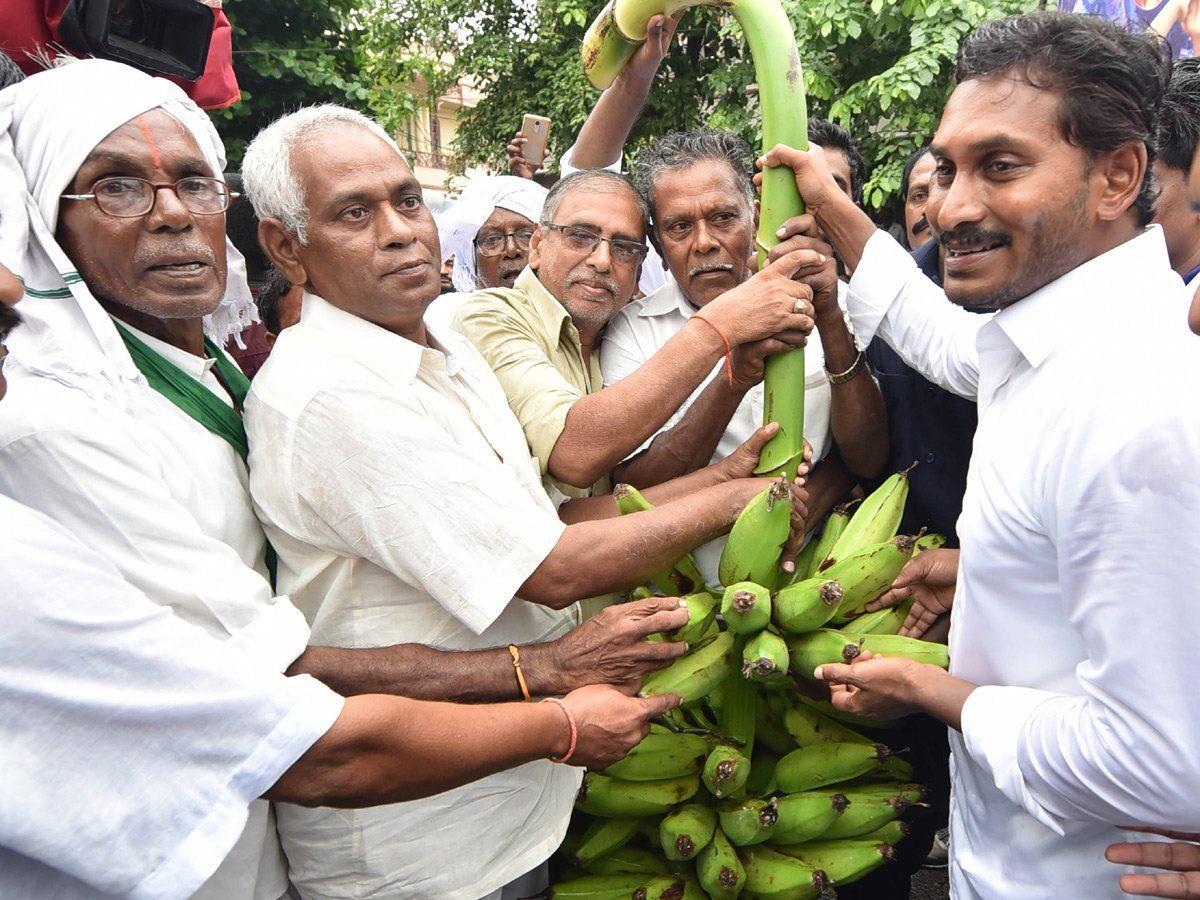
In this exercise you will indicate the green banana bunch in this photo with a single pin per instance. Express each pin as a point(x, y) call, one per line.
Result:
point(737, 715)
point(682, 578)
point(866, 814)
point(835, 524)
point(866, 574)
point(725, 772)
point(686, 831)
point(719, 869)
point(827, 763)
point(876, 520)
point(775, 875)
point(802, 817)
point(843, 862)
point(761, 782)
point(618, 887)
point(888, 620)
point(808, 726)
point(765, 657)
point(614, 798)
point(746, 607)
point(702, 613)
point(748, 821)
point(602, 837)
point(771, 733)
point(694, 675)
point(662, 754)
point(756, 540)
point(896, 645)
point(629, 861)
point(807, 605)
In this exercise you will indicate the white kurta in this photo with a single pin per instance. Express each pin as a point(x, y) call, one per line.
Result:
point(400, 493)
point(1074, 605)
point(167, 502)
point(640, 330)
point(133, 743)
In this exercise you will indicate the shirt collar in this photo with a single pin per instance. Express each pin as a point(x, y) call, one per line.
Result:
point(1097, 290)
point(196, 366)
point(1187, 279)
point(667, 299)
point(545, 304)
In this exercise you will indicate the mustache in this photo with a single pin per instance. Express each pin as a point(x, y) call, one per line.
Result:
point(149, 256)
point(920, 226)
point(972, 234)
point(593, 280)
point(709, 267)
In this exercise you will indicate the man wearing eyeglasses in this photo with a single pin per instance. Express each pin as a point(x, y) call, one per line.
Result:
point(542, 339)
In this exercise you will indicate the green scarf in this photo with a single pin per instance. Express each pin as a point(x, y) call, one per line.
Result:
point(198, 401)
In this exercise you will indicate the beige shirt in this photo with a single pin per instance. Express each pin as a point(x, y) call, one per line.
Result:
point(399, 492)
point(532, 345)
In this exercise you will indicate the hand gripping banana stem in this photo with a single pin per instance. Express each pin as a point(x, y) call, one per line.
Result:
point(613, 37)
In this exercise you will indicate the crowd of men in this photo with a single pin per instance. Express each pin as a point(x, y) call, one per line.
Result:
point(276, 636)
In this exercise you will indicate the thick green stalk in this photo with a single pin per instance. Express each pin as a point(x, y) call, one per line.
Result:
point(612, 39)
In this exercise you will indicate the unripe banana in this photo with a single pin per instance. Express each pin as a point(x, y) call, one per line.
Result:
point(866, 814)
point(614, 798)
point(771, 733)
point(702, 613)
point(619, 887)
point(888, 620)
point(827, 763)
point(868, 573)
point(725, 772)
point(662, 754)
point(761, 782)
point(719, 869)
point(765, 657)
point(602, 837)
point(737, 716)
point(876, 520)
point(843, 862)
point(896, 645)
point(775, 875)
point(834, 526)
point(825, 708)
point(686, 831)
point(816, 648)
point(692, 890)
point(748, 821)
point(805, 816)
point(756, 540)
point(807, 605)
point(746, 607)
point(808, 726)
point(805, 560)
point(929, 542)
point(861, 789)
point(891, 833)
point(629, 861)
point(682, 578)
point(694, 675)
point(641, 593)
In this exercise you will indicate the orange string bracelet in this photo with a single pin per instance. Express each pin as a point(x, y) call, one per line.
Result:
point(728, 346)
point(574, 731)
point(515, 653)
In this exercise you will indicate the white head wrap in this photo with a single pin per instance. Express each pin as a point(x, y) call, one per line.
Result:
point(49, 124)
point(458, 224)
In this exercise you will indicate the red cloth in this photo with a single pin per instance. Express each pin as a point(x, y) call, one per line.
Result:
point(29, 29)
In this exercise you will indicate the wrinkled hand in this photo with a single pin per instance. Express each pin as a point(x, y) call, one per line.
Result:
point(611, 720)
point(644, 63)
point(742, 461)
point(521, 167)
point(930, 580)
point(874, 686)
point(749, 361)
point(801, 233)
point(1181, 859)
point(770, 303)
point(611, 648)
point(813, 177)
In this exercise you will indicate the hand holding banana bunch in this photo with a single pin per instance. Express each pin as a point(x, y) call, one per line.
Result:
point(752, 786)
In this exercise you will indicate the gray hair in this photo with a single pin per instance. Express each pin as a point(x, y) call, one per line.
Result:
point(587, 178)
point(267, 174)
point(681, 149)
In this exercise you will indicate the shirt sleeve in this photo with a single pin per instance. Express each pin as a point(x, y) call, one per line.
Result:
point(398, 489)
point(890, 296)
point(97, 482)
point(620, 354)
point(567, 167)
point(134, 742)
point(1121, 512)
point(538, 394)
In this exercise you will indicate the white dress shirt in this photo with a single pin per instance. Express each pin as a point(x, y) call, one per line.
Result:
point(400, 493)
point(167, 502)
point(133, 742)
point(641, 329)
point(1073, 607)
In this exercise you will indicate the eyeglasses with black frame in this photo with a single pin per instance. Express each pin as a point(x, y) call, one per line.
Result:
point(125, 197)
point(493, 244)
point(584, 241)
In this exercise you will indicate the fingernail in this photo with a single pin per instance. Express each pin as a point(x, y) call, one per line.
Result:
point(686, 646)
point(681, 602)
point(821, 257)
point(780, 231)
point(817, 673)
point(789, 567)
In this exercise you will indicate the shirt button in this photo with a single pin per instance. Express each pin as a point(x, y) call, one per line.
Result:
point(929, 457)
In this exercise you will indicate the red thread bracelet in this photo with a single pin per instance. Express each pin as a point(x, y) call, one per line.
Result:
point(728, 346)
point(574, 731)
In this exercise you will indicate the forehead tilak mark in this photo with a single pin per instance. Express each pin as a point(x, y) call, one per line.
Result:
point(150, 141)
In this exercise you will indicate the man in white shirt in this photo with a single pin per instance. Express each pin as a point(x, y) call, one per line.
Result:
point(144, 461)
point(1070, 686)
point(400, 492)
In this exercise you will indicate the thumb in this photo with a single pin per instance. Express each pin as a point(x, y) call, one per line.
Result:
point(782, 155)
point(914, 571)
point(652, 707)
point(758, 440)
point(837, 673)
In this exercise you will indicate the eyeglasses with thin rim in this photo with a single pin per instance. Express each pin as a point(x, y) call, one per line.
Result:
point(126, 197)
point(584, 241)
point(494, 244)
